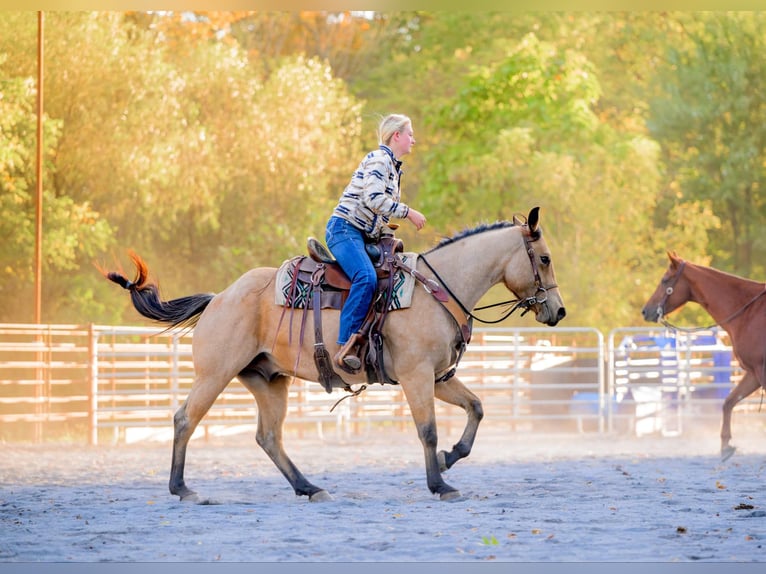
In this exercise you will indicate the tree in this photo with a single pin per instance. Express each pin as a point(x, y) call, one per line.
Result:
point(710, 121)
point(73, 230)
point(523, 133)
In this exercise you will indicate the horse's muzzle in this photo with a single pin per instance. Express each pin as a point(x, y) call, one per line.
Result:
point(652, 314)
point(548, 317)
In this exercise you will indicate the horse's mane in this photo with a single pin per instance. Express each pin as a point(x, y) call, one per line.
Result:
point(481, 228)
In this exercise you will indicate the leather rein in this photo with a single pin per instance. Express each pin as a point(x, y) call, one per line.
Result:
point(526, 303)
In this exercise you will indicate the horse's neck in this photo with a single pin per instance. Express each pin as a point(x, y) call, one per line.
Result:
point(721, 294)
point(472, 265)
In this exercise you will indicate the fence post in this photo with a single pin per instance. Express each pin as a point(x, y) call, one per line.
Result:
point(93, 386)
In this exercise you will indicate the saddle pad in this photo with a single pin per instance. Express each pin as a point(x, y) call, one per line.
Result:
point(401, 298)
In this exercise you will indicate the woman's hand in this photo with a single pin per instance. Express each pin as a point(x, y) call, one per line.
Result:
point(417, 218)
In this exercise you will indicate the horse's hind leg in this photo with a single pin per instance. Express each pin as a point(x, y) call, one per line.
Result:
point(272, 409)
point(744, 388)
point(454, 392)
point(185, 421)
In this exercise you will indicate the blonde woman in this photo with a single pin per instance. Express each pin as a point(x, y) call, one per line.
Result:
point(369, 202)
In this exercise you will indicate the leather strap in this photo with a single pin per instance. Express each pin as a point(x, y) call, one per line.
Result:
point(439, 293)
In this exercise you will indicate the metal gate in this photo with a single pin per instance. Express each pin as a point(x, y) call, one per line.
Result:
point(104, 383)
point(98, 383)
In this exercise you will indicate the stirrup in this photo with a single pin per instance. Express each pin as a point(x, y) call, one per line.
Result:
point(346, 359)
point(352, 363)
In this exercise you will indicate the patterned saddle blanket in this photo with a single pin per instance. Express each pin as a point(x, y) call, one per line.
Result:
point(333, 298)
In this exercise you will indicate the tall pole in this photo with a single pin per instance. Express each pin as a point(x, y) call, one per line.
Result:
point(39, 210)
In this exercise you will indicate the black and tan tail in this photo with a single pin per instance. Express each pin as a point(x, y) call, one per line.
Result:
point(183, 312)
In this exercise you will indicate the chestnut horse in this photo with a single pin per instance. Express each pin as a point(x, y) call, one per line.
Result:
point(237, 335)
point(736, 304)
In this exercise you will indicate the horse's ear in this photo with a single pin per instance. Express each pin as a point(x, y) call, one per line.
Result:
point(675, 260)
point(533, 219)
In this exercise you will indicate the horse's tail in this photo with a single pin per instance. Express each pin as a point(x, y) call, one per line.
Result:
point(182, 312)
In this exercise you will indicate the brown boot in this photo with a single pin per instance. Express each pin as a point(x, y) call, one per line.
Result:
point(347, 358)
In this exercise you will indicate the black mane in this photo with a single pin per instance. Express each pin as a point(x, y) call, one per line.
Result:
point(481, 228)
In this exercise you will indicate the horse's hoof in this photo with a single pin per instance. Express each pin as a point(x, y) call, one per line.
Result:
point(194, 498)
point(320, 496)
point(727, 452)
point(441, 458)
point(450, 496)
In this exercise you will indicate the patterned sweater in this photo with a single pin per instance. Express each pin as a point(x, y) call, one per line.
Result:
point(372, 196)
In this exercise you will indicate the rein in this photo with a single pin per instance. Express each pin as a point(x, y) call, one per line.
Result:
point(526, 303)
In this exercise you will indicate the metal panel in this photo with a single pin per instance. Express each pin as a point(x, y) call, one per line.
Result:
point(104, 383)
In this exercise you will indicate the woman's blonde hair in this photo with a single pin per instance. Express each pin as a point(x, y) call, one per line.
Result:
point(391, 124)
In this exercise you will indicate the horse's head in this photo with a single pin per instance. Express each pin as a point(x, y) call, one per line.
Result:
point(672, 291)
point(536, 287)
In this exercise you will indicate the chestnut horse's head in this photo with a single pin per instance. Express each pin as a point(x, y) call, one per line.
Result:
point(671, 293)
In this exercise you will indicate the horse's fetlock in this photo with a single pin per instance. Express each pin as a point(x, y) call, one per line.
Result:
point(461, 449)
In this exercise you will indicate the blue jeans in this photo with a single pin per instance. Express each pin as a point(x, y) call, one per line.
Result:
point(346, 243)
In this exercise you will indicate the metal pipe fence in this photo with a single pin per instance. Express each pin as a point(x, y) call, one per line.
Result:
point(97, 383)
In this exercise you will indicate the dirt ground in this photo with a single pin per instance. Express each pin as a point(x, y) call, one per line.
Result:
point(526, 498)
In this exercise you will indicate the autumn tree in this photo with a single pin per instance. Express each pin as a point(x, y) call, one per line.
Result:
point(74, 230)
point(710, 121)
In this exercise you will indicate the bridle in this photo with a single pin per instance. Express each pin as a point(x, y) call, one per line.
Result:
point(527, 303)
point(668, 293)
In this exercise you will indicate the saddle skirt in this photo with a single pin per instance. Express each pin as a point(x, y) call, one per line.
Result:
point(333, 297)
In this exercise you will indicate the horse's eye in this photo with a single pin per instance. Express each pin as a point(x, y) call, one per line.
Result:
point(545, 260)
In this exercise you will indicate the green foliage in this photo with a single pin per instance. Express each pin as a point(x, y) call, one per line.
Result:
point(217, 144)
point(710, 120)
point(73, 230)
point(529, 135)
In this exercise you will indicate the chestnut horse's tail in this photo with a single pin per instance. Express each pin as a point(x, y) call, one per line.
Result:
point(182, 312)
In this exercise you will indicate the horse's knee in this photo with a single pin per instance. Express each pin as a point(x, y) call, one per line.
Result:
point(428, 435)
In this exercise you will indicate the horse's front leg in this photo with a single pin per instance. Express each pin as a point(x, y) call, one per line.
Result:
point(454, 392)
point(272, 409)
point(744, 388)
point(420, 397)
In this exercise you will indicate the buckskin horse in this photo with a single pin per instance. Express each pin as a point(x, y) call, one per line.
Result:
point(237, 335)
point(736, 304)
